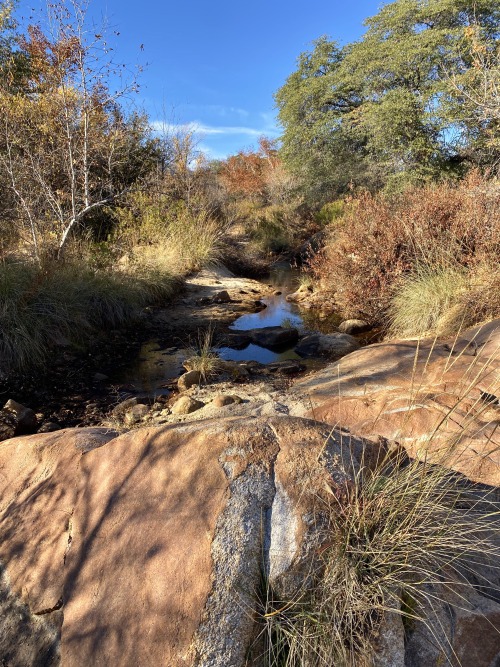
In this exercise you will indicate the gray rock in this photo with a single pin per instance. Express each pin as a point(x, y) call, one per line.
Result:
point(120, 409)
point(185, 405)
point(100, 377)
point(333, 346)
point(136, 414)
point(237, 341)
point(285, 367)
point(188, 380)
point(272, 337)
point(221, 297)
point(26, 421)
point(302, 293)
point(354, 326)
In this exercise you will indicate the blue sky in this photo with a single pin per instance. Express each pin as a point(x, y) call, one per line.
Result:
point(216, 64)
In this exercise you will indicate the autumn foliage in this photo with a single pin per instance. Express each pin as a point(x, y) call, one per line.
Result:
point(382, 239)
point(247, 173)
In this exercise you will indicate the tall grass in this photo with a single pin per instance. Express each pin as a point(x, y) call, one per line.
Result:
point(424, 299)
point(388, 537)
point(39, 306)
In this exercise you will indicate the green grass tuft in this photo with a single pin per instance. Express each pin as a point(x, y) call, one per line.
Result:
point(388, 536)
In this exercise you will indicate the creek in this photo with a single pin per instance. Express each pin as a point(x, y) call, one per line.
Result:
point(156, 365)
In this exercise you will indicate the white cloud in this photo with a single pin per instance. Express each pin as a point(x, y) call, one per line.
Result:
point(207, 130)
point(225, 111)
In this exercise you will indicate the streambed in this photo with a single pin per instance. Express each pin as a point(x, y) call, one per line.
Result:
point(155, 365)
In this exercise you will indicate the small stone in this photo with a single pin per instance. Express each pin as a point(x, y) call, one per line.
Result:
point(26, 421)
point(188, 380)
point(185, 405)
point(354, 327)
point(49, 427)
point(120, 409)
point(100, 377)
point(136, 414)
point(221, 297)
point(221, 400)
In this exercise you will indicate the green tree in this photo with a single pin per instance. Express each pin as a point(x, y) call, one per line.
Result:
point(382, 109)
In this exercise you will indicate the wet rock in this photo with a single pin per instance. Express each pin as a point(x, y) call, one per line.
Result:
point(271, 337)
point(188, 380)
point(49, 427)
point(354, 326)
point(221, 297)
point(226, 399)
point(25, 418)
point(136, 414)
point(285, 367)
point(185, 405)
point(334, 346)
point(237, 341)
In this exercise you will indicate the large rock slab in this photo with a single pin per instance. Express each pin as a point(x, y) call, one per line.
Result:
point(438, 399)
point(38, 476)
point(148, 550)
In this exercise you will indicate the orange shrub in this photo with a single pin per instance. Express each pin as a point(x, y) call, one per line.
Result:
point(383, 238)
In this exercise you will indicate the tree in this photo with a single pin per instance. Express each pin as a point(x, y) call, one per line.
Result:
point(247, 172)
point(476, 93)
point(65, 143)
point(380, 108)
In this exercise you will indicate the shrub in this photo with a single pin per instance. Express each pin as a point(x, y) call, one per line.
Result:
point(384, 238)
point(330, 213)
point(203, 357)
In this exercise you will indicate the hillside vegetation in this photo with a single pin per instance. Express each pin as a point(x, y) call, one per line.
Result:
point(389, 149)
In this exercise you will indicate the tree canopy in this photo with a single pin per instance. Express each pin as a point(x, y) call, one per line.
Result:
point(391, 106)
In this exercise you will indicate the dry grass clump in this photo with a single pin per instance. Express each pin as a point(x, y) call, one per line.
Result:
point(425, 299)
point(389, 535)
point(186, 238)
point(444, 300)
point(203, 357)
point(39, 306)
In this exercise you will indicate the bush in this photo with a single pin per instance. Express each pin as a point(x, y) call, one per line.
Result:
point(384, 239)
point(330, 213)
